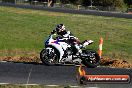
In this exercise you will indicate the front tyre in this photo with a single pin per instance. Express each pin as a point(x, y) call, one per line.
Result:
point(90, 58)
point(49, 56)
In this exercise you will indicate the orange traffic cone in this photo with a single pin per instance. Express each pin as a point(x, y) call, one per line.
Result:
point(100, 47)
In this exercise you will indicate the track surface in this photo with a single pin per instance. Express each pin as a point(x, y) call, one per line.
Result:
point(30, 73)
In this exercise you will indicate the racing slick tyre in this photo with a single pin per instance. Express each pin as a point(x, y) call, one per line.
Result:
point(90, 58)
point(49, 56)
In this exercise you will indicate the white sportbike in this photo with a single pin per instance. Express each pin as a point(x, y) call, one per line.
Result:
point(58, 51)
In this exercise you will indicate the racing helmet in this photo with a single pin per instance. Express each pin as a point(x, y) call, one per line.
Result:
point(60, 28)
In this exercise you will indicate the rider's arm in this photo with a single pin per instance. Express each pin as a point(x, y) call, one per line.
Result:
point(69, 35)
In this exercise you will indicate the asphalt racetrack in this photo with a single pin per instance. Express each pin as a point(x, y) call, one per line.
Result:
point(32, 73)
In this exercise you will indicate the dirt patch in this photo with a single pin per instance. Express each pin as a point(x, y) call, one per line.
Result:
point(21, 59)
point(115, 63)
point(35, 58)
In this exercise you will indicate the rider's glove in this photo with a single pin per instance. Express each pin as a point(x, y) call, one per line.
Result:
point(53, 32)
point(90, 42)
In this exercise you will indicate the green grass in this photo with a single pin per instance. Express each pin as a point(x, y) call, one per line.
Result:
point(24, 29)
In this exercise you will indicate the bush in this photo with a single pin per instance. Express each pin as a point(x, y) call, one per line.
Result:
point(115, 4)
point(129, 3)
point(64, 1)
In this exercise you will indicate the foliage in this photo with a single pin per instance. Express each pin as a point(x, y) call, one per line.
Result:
point(118, 3)
point(77, 2)
point(64, 1)
point(128, 2)
point(105, 3)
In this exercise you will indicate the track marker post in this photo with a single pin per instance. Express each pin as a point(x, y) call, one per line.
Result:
point(100, 47)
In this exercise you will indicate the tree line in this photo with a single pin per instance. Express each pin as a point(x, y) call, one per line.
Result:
point(104, 3)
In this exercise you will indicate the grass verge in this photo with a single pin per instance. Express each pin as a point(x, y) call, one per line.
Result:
point(24, 30)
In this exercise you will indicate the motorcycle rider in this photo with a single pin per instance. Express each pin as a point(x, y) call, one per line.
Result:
point(64, 34)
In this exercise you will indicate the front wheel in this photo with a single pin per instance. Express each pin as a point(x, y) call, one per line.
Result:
point(90, 58)
point(49, 56)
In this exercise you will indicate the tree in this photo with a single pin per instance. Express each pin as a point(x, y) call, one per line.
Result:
point(64, 1)
point(128, 2)
point(77, 2)
point(118, 3)
point(86, 2)
point(104, 3)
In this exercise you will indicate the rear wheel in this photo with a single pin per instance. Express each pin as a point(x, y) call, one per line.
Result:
point(49, 56)
point(90, 58)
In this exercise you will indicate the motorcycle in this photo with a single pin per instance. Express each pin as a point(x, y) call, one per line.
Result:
point(58, 51)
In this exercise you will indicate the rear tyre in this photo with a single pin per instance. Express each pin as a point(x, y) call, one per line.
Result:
point(49, 56)
point(92, 59)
